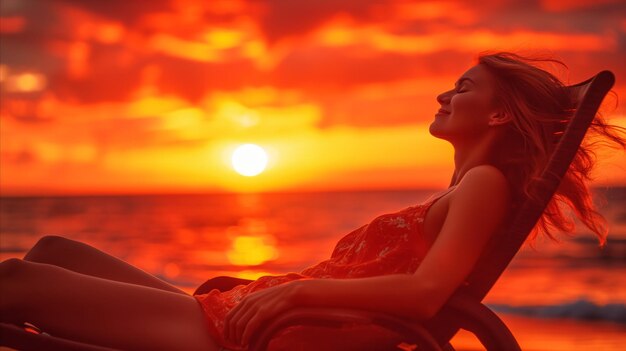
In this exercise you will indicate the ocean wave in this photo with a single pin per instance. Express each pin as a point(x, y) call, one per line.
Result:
point(580, 309)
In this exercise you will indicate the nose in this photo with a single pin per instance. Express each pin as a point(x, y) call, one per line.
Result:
point(444, 98)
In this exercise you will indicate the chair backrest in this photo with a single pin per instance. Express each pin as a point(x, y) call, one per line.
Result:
point(490, 266)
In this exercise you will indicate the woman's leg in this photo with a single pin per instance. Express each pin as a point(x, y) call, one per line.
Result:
point(85, 259)
point(99, 311)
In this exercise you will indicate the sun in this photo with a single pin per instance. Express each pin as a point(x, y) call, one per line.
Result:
point(249, 160)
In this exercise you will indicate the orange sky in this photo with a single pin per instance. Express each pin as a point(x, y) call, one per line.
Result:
point(125, 97)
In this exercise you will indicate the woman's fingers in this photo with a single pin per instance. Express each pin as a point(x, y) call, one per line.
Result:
point(254, 322)
point(232, 317)
point(235, 316)
point(248, 315)
point(241, 324)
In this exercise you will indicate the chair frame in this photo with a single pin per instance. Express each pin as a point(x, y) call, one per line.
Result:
point(464, 310)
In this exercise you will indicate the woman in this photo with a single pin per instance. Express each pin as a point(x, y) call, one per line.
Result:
point(502, 117)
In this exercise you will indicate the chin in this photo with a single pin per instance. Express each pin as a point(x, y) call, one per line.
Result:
point(438, 132)
point(435, 130)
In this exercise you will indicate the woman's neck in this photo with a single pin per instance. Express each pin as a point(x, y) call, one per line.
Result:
point(470, 155)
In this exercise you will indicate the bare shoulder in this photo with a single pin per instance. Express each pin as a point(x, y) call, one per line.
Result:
point(485, 177)
point(485, 174)
point(485, 181)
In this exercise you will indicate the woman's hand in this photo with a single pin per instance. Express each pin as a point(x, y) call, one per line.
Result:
point(258, 307)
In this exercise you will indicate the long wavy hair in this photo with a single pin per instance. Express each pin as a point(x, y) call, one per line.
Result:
point(538, 103)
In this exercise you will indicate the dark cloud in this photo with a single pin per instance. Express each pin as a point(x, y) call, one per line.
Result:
point(322, 73)
point(288, 18)
point(19, 53)
point(332, 70)
point(104, 80)
point(128, 12)
point(20, 157)
point(27, 48)
point(596, 19)
point(193, 80)
point(44, 21)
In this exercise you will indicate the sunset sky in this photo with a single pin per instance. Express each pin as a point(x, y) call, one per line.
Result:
point(154, 96)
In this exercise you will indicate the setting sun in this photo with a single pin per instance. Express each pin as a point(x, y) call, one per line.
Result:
point(249, 160)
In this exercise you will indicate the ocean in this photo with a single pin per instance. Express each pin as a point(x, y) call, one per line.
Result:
point(186, 239)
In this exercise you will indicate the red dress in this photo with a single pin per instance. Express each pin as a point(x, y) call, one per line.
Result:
point(391, 243)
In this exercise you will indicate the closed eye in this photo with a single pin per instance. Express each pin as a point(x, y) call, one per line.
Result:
point(461, 88)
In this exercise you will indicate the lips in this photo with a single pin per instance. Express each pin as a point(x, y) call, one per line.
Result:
point(442, 112)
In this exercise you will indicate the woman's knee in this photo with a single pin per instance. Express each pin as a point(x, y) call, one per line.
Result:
point(14, 277)
point(24, 284)
point(13, 267)
point(15, 272)
point(49, 246)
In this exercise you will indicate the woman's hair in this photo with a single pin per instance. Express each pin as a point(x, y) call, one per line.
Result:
point(540, 106)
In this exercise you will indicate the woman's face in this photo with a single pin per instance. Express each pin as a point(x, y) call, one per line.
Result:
point(467, 109)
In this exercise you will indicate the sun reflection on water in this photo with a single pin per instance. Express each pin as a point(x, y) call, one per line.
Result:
point(252, 250)
point(251, 243)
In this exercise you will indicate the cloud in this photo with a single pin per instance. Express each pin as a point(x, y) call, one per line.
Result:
point(124, 89)
point(580, 5)
point(287, 19)
point(129, 12)
point(92, 55)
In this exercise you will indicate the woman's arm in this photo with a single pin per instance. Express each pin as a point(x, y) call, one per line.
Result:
point(395, 294)
point(476, 209)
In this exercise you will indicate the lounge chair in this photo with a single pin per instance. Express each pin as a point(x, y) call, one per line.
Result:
point(464, 310)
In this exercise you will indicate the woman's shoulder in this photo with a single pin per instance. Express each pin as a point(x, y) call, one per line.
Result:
point(486, 181)
point(483, 174)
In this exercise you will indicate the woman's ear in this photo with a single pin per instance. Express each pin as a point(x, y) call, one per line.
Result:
point(499, 118)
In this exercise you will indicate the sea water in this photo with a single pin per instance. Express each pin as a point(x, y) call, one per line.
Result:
point(185, 239)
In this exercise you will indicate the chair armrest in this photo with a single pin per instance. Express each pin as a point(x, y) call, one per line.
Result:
point(334, 317)
point(466, 312)
point(461, 311)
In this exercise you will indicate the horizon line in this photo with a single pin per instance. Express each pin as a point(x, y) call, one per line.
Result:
point(226, 192)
